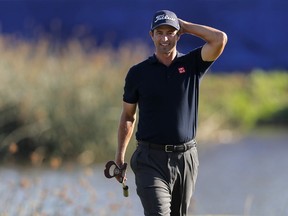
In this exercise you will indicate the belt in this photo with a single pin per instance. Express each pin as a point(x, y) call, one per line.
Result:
point(170, 148)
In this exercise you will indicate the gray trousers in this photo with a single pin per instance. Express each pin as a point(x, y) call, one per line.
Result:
point(165, 181)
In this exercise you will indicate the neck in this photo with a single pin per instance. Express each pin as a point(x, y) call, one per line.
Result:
point(166, 58)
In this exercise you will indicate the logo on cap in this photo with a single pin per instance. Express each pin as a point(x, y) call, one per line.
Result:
point(163, 17)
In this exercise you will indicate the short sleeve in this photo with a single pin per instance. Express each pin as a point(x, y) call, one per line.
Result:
point(131, 87)
point(202, 66)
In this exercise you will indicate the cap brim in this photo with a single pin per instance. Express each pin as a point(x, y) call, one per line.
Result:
point(162, 24)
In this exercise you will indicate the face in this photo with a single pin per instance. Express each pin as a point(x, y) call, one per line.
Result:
point(165, 39)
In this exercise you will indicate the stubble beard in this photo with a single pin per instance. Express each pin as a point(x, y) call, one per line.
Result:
point(166, 50)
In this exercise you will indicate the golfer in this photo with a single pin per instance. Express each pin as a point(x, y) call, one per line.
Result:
point(165, 88)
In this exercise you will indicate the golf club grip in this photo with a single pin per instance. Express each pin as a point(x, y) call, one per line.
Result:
point(125, 190)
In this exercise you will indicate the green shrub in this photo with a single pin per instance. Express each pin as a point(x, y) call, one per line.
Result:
point(240, 101)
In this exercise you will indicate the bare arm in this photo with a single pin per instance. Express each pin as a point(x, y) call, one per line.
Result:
point(215, 39)
point(125, 131)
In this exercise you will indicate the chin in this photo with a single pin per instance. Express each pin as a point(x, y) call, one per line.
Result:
point(167, 51)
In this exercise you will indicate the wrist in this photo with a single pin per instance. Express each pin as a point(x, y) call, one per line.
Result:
point(119, 158)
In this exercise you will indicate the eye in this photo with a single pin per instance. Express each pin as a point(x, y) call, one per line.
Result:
point(172, 33)
point(159, 34)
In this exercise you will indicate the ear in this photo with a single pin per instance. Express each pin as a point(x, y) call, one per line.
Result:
point(151, 34)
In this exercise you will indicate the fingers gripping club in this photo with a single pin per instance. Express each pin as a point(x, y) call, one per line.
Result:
point(113, 170)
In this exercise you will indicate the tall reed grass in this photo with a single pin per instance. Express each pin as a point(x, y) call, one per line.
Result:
point(63, 101)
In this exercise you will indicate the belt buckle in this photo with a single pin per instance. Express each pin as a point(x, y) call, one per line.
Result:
point(167, 146)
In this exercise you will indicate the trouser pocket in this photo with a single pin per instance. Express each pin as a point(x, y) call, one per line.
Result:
point(134, 158)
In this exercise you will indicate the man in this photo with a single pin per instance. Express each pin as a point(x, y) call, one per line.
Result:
point(165, 87)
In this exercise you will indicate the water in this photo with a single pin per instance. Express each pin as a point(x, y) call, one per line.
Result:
point(246, 177)
point(67, 191)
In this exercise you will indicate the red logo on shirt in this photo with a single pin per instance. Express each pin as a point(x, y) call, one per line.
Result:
point(181, 70)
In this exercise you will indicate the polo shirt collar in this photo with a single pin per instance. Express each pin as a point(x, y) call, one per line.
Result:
point(153, 59)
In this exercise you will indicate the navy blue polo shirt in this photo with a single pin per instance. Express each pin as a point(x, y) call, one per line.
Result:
point(167, 97)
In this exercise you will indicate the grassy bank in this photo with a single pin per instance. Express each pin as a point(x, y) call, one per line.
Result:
point(61, 103)
point(238, 102)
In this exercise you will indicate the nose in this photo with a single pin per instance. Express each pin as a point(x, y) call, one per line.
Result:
point(165, 38)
